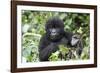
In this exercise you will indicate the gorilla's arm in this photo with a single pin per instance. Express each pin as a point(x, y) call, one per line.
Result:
point(74, 40)
point(46, 48)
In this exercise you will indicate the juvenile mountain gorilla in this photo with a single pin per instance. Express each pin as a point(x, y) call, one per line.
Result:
point(54, 36)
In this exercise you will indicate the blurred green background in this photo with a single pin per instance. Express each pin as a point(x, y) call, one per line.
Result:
point(33, 27)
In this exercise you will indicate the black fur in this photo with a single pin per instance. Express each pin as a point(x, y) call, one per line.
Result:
point(48, 44)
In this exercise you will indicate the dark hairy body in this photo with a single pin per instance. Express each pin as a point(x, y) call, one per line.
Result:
point(55, 36)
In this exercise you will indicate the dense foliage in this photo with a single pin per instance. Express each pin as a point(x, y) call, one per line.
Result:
point(33, 27)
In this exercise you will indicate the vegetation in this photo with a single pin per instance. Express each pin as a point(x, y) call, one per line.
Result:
point(33, 27)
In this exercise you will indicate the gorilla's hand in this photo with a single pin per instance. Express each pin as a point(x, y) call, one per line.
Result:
point(46, 52)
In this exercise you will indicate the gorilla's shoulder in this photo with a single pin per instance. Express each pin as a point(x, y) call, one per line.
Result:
point(44, 38)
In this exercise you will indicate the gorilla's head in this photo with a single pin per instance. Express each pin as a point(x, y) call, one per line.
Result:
point(54, 28)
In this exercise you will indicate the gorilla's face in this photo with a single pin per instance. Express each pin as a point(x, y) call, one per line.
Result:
point(54, 29)
point(54, 33)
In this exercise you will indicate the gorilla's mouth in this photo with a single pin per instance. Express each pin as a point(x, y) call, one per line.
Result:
point(55, 37)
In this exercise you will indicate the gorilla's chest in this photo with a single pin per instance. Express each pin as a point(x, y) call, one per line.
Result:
point(63, 41)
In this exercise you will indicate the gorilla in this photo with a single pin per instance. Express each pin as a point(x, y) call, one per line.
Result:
point(54, 36)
